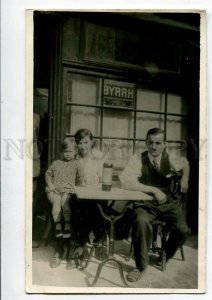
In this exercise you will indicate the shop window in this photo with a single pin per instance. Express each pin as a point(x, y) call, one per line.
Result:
point(145, 121)
point(150, 100)
point(118, 151)
point(176, 104)
point(140, 146)
point(106, 45)
point(176, 128)
point(83, 89)
point(79, 117)
point(119, 124)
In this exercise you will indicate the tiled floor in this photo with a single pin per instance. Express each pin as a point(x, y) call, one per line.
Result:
point(178, 275)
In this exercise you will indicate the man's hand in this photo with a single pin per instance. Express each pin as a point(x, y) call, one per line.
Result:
point(183, 186)
point(159, 196)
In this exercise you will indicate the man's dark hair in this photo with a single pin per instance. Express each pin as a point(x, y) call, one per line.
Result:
point(155, 131)
point(81, 133)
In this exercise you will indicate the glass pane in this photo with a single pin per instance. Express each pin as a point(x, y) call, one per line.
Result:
point(176, 150)
point(96, 145)
point(150, 100)
point(176, 128)
point(140, 146)
point(99, 43)
point(127, 48)
point(176, 104)
point(118, 123)
point(82, 117)
point(118, 151)
point(83, 89)
point(146, 121)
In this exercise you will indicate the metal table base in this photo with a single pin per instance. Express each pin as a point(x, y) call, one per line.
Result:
point(112, 220)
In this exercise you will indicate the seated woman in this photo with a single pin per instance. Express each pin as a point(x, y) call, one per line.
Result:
point(87, 217)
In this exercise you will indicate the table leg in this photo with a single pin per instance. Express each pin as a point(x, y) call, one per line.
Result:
point(100, 269)
point(112, 220)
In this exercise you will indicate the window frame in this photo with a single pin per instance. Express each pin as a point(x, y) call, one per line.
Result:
point(101, 106)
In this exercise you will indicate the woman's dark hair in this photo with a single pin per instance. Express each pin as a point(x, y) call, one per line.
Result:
point(81, 133)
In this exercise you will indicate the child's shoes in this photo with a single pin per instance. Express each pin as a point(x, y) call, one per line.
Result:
point(58, 233)
point(66, 234)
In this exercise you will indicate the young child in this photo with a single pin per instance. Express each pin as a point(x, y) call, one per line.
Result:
point(60, 180)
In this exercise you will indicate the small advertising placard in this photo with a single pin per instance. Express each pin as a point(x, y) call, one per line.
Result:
point(119, 93)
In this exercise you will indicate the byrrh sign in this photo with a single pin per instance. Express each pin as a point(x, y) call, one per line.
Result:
point(117, 93)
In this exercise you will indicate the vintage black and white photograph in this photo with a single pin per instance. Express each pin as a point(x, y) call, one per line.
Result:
point(116, 152)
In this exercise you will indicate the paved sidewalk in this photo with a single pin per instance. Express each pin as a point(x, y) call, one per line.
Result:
point(178, 275)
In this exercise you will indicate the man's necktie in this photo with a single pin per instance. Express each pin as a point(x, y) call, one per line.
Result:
point(156, 165)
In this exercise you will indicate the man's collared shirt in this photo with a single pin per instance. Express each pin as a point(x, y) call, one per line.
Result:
point(155, 160)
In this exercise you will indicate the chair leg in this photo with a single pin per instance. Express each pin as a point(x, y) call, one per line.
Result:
point(163, 247)
point(130, 255)
point(89, 257)
point(154, 239)
point(47, 231)
point(97, 249)
point(182, 253)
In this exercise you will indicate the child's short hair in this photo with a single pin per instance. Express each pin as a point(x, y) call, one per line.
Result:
point(68, 142)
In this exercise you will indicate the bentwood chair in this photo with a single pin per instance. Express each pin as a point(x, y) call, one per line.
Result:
point(161, 228)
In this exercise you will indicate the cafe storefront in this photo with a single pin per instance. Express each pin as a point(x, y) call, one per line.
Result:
point(119, 75)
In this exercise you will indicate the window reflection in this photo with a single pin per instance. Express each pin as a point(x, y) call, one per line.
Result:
point(176, 128)
point(150, 100)
point(145, 121)
point(118, 123)
point(83, 89)
point(79, 117)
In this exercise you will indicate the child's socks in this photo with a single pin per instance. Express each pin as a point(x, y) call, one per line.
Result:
point(67, 230)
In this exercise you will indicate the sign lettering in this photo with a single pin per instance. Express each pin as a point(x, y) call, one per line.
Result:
point(117, 93)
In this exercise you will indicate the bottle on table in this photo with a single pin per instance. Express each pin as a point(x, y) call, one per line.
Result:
point(107, 176)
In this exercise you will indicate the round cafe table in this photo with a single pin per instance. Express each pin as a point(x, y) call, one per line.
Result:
point(95, 193)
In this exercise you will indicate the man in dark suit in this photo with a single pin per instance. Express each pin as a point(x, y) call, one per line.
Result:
point(151, 173)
